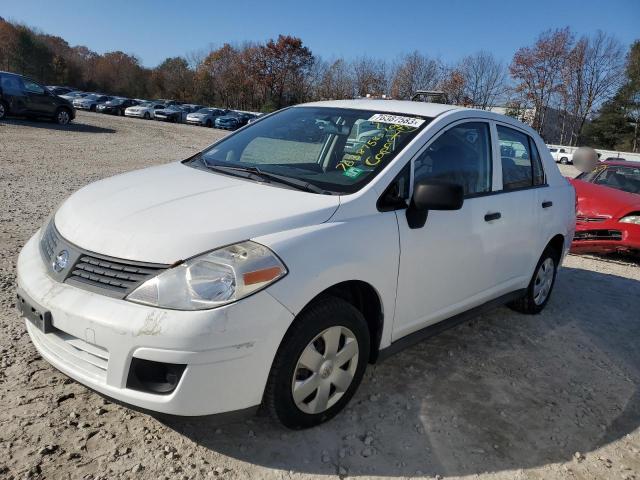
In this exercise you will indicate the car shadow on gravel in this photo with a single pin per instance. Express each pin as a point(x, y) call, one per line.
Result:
point(502, 392)
point(71, 127)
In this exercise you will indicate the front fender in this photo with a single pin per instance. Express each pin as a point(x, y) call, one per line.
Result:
point(321, 256)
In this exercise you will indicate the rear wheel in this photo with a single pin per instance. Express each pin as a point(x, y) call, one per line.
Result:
point(564, 160)
point(92, 108)
point(62, 117)
point(209, 124)
point(540, 286)
point(3, 110)
point(147, 116)
point(319, 364)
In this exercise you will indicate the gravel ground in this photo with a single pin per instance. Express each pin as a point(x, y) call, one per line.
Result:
point(504, 396)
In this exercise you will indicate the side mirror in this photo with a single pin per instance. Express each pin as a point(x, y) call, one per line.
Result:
point(432, 195)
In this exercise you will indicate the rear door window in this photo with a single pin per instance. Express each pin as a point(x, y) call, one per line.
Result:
point(521, 163)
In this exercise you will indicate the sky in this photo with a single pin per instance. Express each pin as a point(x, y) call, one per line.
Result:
point(447, 29)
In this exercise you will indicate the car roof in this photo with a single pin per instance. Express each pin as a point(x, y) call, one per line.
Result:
point(628, 163)
point(392, 106)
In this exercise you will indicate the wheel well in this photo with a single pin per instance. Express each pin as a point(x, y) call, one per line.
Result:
point(557, 244)
point(365, 298)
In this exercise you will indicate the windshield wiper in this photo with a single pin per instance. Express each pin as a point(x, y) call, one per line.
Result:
point(272, 177)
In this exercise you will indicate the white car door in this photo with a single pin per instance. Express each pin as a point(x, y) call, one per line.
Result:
point(521, 180)
point(453, 262)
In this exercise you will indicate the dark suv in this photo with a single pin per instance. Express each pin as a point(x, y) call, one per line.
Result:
point(22, 96)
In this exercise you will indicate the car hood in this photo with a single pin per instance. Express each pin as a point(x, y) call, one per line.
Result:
point(599, 200)
point(171, 212)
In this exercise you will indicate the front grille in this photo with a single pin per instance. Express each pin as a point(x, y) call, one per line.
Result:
point(49, 241)
point(119, 277)
point(583, 235)
point(110, 276)
point(585, 219)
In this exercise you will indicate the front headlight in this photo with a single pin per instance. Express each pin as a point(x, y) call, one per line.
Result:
point(633, 218)
point(212, 279)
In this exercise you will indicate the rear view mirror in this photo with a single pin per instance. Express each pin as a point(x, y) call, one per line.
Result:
point(432, 195)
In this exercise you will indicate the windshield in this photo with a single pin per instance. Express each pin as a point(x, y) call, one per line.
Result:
point(619, 177)
point(335, 149)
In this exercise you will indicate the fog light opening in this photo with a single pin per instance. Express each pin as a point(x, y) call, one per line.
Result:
point(154, 377)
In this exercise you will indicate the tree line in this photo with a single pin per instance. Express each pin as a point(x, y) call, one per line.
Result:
point(577, 79)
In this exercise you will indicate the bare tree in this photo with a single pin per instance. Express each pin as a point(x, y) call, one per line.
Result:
point(370, 76)
point(484, 79)
point(334, 80)
point(597, 65)
point(538, 70)
point(414, 72)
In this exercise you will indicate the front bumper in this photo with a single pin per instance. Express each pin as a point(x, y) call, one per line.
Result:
point(195, 121)
point(606, 237)
point(227, 351)
point(135, 114)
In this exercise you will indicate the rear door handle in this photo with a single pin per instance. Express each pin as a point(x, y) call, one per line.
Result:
point(547, 204)
point(492, 216)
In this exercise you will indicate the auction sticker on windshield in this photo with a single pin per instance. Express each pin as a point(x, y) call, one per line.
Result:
point(397, 120)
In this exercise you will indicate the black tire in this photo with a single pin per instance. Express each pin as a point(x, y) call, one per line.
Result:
point(312, 321)
point(528, 303)
point(4, 110)
point(62, 116)
point(147, 116)
point(564, 160)
point(92, 108)
point(209, 124)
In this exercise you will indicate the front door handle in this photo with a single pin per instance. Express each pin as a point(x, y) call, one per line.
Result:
point(547, 204)
point(492, 216)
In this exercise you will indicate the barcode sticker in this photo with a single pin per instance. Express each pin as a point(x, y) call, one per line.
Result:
point(397, 120)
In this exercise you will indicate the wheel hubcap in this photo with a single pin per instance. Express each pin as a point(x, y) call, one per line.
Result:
point(543, 281)
point(63, 117)
point(1, 110)
point(325, 370)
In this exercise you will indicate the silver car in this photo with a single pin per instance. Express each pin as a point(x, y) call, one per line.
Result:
point(206, 117)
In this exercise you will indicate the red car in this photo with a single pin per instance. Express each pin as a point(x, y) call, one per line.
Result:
point(608, 208)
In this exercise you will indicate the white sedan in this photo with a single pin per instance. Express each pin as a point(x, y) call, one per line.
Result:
point(145, 110)
point(274, 266)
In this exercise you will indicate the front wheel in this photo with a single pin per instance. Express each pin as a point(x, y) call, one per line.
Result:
point(62, 117)
point(319, 364)
point(564, 160)
point(147, 116)
point(3, 110)
point(540, 286)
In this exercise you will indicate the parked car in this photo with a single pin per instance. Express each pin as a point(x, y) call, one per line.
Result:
point(91, 101)
point(59, 90)
point(205, 117)
point(233, 120)
point(71, 96)
point(116, 106)
point(608, 209)
point(144, 110)
point(176, 113)
point(23, 96)
point(273, 266)
point(255, 117)
point(561, 155)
